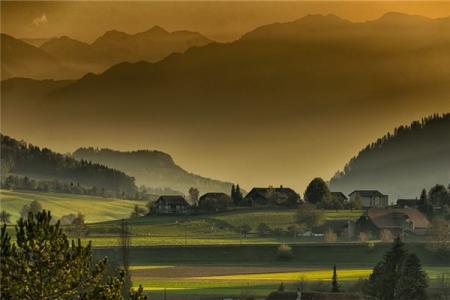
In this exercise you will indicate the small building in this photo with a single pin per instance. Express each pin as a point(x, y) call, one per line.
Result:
point(407, 203)
point(171, 205)
point(339, 196)
point(398, 221)
point(370, 198)
point(214, 202)
point(271, 196)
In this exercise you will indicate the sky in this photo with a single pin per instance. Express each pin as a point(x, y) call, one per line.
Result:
point(291, 164)
point(220, 21)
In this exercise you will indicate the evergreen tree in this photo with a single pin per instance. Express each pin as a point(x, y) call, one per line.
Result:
point(425, 205)
point(233, 194)
point(386, 274)
point(334, 282)
point(413, 282)
point(238, 199)
point(43, 264)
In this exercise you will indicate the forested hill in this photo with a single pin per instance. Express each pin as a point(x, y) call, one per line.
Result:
point(20, 158)
point(402, 163)
point(152, 168)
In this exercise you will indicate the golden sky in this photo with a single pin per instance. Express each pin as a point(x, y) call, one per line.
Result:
point(293, 162)
point(221, 21)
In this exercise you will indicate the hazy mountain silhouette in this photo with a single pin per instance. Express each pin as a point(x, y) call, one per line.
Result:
point(152, 168)
point(20, 59)
point(302, 87)
point(20, 158)
point(401, 163)
point(115, 47)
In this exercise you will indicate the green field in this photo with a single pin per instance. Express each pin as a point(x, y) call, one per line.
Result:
point(96, 209)
point(219, 228)
point(103, 214)
point(225, 280)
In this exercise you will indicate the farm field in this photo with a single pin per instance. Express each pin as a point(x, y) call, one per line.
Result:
point(220, 228)
point(193, 281)
point(95, 209)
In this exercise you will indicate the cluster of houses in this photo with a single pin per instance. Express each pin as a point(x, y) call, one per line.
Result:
point(379, 216)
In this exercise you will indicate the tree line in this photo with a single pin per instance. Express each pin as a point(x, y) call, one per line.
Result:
point(24, 159)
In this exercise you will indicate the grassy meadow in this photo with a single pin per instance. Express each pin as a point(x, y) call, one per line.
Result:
point(95, 209)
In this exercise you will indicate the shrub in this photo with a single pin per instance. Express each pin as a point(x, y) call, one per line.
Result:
point(244, 229)
point(386, 236)
point(278, 231)
point(284, 252)
point(363, 237)
point(263, 229)
point(295, 230)
point(330, 236)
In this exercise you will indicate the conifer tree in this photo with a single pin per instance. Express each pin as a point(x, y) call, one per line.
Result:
point(334, 282)
point(43, 264)
point(413, 282)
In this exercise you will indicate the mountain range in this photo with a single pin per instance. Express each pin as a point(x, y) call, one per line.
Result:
point(64, 57)
point(153, 169)
point(312, 88)
point(401, 163)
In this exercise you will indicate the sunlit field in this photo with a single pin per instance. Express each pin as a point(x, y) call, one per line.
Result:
point(95, 209)
point(237, 280)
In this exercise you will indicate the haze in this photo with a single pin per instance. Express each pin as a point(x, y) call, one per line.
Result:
point(266, 141)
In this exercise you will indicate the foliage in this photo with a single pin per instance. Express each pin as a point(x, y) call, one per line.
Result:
point(425, 205)
point(263, 229)
point(317, 192)
point(5, 217)
point(43, 264)
point(363, 237)
point(28, 159)
point(236, 196)
point(386, 235)
point(334, 282)
point(309, 216)
point(412, 284)
point(439, 233)
point(244, 229)
point(398, 161)
point(193, 195)
point(34, 207)
point(284, 252)
point(138, 211)
point(391, 276)
point(296, 229)
point(330, 236)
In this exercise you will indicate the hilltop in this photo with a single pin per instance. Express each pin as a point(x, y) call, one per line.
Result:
point(401, 163)
point(23, 159)
point(152, 168)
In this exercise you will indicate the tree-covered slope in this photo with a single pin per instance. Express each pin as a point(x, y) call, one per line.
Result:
point(152, 168)
point(24, 159)
point(403, 162)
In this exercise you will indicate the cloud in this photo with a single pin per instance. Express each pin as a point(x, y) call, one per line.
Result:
point(39, 21)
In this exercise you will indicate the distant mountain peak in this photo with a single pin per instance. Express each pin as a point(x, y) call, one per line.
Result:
point(157, 30)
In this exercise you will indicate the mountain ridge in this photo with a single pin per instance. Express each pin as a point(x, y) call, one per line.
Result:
point(401, 163)
point(152, 168)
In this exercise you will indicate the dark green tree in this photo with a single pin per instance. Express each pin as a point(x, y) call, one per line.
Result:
point(43, 264)
point(334, 282)
point(425, 205)
point(317, 192)
point(413, 282)
point(5, 217)
point(237, 198)
point(387, 273)
point(438, 195)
